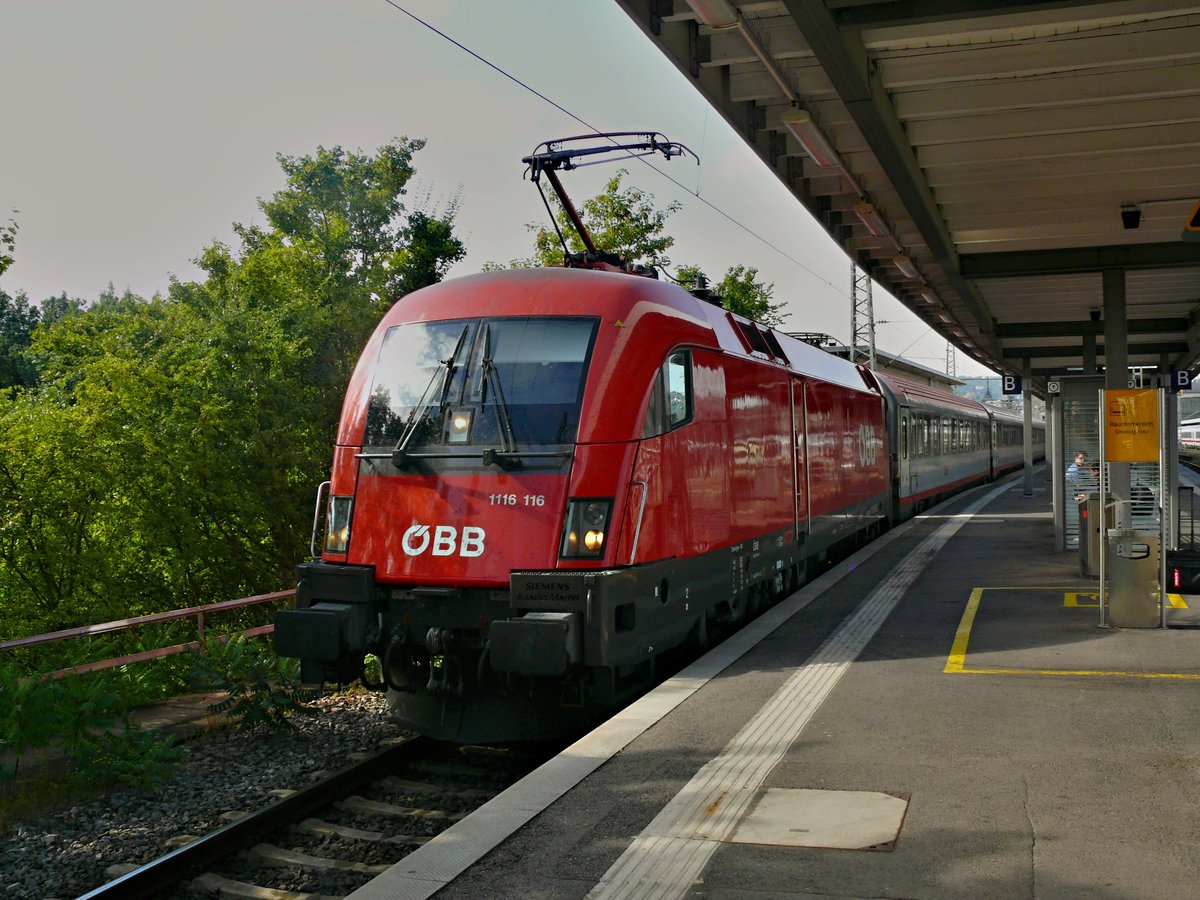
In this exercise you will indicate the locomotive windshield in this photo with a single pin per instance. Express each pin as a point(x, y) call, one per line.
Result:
point(502, 382)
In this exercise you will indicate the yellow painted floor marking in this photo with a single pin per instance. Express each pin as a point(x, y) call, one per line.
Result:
point(956, 661)
point(958, 652)
point(1073, 600)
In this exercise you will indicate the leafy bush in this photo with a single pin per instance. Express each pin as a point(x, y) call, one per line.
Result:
point(263, 689)
point(29, 709)
point(78, 714)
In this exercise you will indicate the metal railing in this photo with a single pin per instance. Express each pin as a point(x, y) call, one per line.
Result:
point(199, 612)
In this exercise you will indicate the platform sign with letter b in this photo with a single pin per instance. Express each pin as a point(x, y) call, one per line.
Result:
point(1011, 384)
point(1181, 380)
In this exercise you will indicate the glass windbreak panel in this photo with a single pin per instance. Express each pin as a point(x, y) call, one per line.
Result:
point(488, 383)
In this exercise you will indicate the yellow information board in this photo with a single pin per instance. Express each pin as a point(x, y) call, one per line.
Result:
point(1131, 425)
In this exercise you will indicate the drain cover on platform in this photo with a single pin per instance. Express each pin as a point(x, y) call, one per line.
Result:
point(839, 820)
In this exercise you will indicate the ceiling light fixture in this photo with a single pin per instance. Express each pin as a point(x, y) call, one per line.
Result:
point(800, 123)
point(714, 13)
point(868, 215)
point(906, 267)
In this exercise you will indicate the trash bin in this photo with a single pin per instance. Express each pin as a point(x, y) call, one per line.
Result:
point(1132, 570)
point(1091, 530)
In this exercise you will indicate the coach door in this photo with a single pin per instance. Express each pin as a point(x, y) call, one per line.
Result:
point(803, 497)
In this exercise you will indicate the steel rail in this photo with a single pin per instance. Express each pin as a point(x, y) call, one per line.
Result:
point(160, 874)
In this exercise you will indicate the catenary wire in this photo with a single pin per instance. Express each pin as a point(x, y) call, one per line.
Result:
point(597, 131)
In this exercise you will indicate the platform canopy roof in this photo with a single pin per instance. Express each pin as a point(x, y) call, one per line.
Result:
point(985, 160)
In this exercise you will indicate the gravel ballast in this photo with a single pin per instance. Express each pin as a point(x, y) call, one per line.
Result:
point(67, 852)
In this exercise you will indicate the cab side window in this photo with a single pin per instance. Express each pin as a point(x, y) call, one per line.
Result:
point(671, 397)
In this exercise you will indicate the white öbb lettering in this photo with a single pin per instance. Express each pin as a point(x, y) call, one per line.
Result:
point(444, 540)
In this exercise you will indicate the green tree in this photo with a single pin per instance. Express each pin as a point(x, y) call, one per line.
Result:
point(346, 211)
point(170, 451)
point(8, 243)
point(740, 291)
point(59, 307)
point(18, 318)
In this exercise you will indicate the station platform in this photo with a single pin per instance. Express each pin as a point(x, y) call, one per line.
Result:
point(938, 716)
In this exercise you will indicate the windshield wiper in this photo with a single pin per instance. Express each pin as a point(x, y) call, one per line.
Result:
point(506, 429)
point(400, 450)
point(491, 379)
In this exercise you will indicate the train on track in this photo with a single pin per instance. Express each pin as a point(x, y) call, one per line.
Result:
point(546, 479)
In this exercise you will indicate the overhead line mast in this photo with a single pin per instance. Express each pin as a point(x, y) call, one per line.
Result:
point(862, 317)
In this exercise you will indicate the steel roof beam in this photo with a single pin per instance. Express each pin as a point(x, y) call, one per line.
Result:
point(1072, 329)
point(922, 12)
point(1078, 260)
point(844, 58)
point(1072, 351)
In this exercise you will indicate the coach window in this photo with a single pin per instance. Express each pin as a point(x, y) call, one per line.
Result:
point(904, 437)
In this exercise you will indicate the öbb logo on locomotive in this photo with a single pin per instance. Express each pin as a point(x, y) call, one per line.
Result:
point(444, 540)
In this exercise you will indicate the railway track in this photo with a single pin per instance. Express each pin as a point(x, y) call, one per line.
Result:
point(333, 837)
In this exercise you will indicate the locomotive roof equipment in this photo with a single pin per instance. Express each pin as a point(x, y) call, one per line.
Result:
point(566, 154)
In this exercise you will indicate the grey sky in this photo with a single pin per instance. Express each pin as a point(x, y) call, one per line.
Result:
point(135, 132)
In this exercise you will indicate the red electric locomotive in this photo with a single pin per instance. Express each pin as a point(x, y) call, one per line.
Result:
point(545, 479)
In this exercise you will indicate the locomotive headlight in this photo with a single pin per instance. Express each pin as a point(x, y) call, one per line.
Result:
point(585, 528)
point(459, 429)
point(337, 524)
